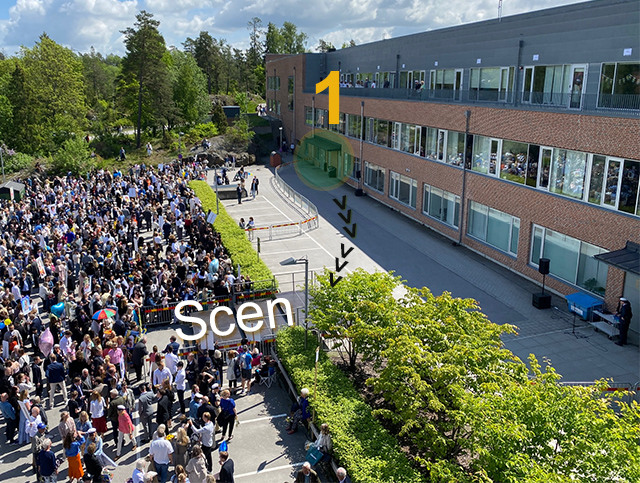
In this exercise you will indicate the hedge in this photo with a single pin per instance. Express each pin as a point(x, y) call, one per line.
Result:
point(368, 451)
point(234, 238)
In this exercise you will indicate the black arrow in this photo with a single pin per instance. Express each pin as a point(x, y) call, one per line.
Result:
point(351, 233)
point(340, 267)
point(343, 253)
point(332, 281)
point(342, 205)
point(346, 219)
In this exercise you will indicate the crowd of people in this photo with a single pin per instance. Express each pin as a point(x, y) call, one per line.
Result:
point(79, 259)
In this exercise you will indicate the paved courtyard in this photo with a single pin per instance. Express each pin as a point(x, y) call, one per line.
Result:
point(385, 240)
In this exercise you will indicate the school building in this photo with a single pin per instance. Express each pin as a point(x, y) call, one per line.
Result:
point(518, 137)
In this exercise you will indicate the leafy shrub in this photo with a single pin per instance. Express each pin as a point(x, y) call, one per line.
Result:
point(239, 135)
point(369, 453)
point(73, 157)
point(17, 162)
point(197, 133)
point(219, 118)
point(233, 237)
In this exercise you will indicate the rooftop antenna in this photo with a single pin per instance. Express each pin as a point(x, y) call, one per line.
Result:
point(499, 10)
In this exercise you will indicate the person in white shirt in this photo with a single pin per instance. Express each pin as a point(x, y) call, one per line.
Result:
point(160, 374)
point(181, 385)
point(171, 362)
point(161, 451)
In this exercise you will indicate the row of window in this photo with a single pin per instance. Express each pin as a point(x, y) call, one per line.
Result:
point(572, 260)
point(601, 180)
point(273, 83)
point(551, 85)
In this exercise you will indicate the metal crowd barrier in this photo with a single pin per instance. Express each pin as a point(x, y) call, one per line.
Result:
point(630, 390)
point(154, 315)
point(311, 220)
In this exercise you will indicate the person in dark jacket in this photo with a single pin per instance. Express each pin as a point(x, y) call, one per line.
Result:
point(226, 471)
point(47, 464)
point(137, 357)
point(163, 413)
point(624, 312)
point(91, 461)
point(56, 374)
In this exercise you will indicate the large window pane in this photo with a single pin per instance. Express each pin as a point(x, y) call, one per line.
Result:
point(567, 172)
point(629, 187)
point(532, 164)
point(499, 229)
point(514, 161)
point(455, 148)
point(515, 234)
point(449, 209)
point(620, 86)
point(611, 187)
point(481, 154)
point(592, 274)
point(477, 220)
point(435, 204)
point(432, 143)
point(562, 251)
point(382, 133)
point(597, 178)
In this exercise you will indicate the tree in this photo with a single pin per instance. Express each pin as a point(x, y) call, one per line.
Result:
point(73, 157)
point(346, 45)
point(189, 88)
point(206, 51)
point(145, 72)
point(293, 42)
point(255, 51)
point(274, 43)
point(356, 313)
point(47, 95)
point(324, 46)
point(100, 78)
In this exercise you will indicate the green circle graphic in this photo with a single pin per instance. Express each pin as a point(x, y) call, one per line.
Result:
point(323, 160)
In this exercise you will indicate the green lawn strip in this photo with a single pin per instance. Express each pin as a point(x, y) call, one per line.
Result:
point(234, 238)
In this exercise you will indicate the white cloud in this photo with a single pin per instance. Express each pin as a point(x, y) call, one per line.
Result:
point(79, 24)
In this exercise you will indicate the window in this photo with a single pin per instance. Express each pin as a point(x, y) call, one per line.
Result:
point(485, 154)
point(445, 84)
point(374, 176)
point(494, 227)
point(353, 125)
point(290, 93)
point(308, 116)
point(354, 163)
point(628, 201)
point(620, 86)
point(491, 84)
point(570, 259)
point(514, 161)
point(278, 106)
point(273, 83)
point(403, 189)
point(568, 170)
point(547, 84)
point(441, 205)
point(455, 148)
point(340, 126)
point(322, 118)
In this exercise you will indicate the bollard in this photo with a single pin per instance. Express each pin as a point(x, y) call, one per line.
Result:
point(258, 248)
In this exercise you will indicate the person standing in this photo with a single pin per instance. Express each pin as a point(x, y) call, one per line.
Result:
point(341, 473)
point(145, 411)
point(197, 466)
point(71, 447)
point(37, 443)
point(226, 469)
point(251, 225)
point(307, 475)
point(161, 451)
point(94, 466)
point(56, 374)
point(624, 312)
point(254, 187)
point(181, 385)
point(125, 426)
point(228, 415)
point(10, 417)
point(47, 464)
point(206, 433)
point(137, 357)
point(112, 413)
point(239, 192)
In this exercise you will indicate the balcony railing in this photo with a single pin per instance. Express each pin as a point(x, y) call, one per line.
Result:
point(615, 103)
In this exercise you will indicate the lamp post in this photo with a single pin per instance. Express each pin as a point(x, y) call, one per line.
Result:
point(280, 138)
point(298, 261)
point(2, 161)
point(180, 134)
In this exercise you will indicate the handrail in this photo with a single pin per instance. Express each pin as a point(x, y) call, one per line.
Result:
point(301, 201)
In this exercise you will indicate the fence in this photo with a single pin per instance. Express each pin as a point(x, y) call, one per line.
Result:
point(165, 314)
point(630, 390)
point(290, 281)
point(310, 210)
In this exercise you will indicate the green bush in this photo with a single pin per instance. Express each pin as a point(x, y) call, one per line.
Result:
point(17, 162)
point(369, 453)
point(197, 133)
point(73, 157)
point(233, 238)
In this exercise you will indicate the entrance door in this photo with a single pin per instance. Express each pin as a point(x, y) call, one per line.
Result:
point(578, 73)
point(410, 80)
point(544, 168)
point(457, 86)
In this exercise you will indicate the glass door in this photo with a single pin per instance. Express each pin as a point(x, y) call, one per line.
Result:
point(576, 86)
point(377, 78)
point(457, 86)
point(612, 181)
point(410, 80)
point(397, 126)
point(442, 142)
point(494, 160)
point(527, 85)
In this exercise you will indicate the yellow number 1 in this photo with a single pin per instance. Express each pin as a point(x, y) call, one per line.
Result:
point(332, 81)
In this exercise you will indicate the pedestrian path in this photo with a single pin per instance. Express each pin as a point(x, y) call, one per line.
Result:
point(386, 240)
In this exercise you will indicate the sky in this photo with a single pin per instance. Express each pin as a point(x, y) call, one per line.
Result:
point(81, 24)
